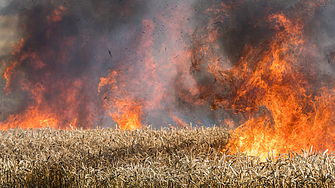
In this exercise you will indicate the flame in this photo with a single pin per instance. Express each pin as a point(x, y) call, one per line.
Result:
point(124, 110)
point(33, 118)
point(268, 88)
point(268, 84)
point(9, 72)
point(140, 86)
point(39, 112)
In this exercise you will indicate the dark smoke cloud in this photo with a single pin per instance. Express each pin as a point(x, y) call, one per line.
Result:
point(107, 32)
point(86, 23)
point(104, 33)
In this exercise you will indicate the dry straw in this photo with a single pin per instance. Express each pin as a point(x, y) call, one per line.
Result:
point(148, 158)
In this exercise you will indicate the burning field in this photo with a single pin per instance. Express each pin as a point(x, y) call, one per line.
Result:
point(261, 70)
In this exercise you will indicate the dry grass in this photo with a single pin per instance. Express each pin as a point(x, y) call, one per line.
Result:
point(148, 158)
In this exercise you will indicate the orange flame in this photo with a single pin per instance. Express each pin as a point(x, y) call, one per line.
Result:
point(124, 110)
point(9, 72)
point(125, 99)
point(38, 113)
point(275, 92)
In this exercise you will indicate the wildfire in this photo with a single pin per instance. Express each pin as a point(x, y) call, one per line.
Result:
point(271, 87)
point(124, 110)
point(39, 111)
point(169, 67)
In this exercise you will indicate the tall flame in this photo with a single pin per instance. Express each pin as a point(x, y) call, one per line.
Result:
point(38, 110)
point(269, 84)
point(124, 110)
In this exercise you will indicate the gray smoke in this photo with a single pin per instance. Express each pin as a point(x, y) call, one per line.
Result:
point(106, 35)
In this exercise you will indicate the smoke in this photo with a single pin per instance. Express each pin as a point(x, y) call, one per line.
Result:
point(90, 38)
point(73, 58)
point(94, 36)
point(241, 25)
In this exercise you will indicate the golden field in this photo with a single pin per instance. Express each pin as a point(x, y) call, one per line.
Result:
point(149, 158)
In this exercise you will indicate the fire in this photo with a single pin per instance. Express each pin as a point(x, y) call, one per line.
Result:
point(270, 86)
point(127, 110)
point(33, 118)
point(138, 85)
point(39, 110)
point(165, 68)
point(124, 110)
point(9, 70)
